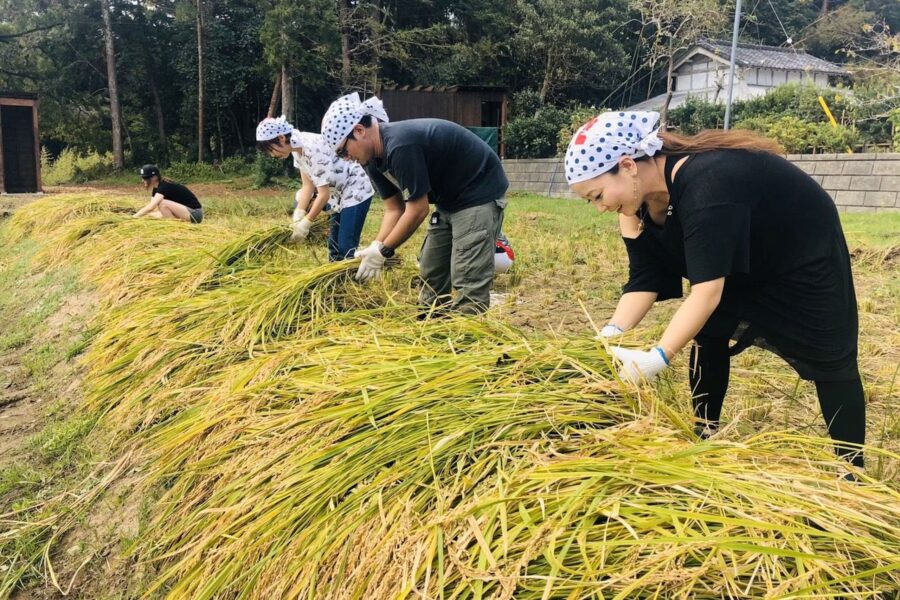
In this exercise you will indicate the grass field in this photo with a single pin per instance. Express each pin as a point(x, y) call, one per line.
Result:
point(211, 412)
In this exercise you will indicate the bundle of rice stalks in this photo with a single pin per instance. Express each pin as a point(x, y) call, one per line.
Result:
point(309, 437)
point(128, 258)
point(255, 245)
point(488, 466)
point(149, 258)
point(260, 244)
point(163, 343)
point(46, 214)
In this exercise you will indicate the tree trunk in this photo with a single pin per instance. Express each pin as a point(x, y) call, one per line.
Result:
point(219, 133)
point(201, 138)
point(158, 112)
point(114, 109)
point(375, 31)
point(548, 74)
point(664, 113)
point(287, 93)
point(344, 18)
point(824, 10)
point(237, 130)
point(276, 93)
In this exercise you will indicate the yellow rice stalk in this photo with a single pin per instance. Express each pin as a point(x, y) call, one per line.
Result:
point(52, 211)
point(309, 437)
point(321, 469)
point(261, 244)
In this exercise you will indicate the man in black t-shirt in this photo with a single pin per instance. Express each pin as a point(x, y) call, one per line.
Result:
point(168, 200)
point(420, 161)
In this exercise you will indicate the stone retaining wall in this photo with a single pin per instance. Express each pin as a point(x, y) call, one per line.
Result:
point(856, 182)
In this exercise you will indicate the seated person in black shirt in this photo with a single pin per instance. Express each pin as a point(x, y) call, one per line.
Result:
point(168, 200)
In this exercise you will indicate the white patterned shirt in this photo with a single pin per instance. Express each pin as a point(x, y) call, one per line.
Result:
point(348, 181)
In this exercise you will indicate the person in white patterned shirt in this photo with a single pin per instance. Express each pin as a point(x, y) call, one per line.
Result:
point(330, 184)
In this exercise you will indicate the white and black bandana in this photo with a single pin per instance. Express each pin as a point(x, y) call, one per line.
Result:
point(343, 115)
point(599, 144)
point(269, 128)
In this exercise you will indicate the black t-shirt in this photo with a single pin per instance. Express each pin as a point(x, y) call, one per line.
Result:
point(176, 193)
point(774, 234)
point(440, 159)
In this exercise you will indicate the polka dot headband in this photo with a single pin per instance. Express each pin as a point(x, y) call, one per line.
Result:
point(601, 142)
point(269, 128)
point(305, 140)
point(343, 115)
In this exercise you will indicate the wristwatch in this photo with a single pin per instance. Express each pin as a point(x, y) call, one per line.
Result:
point(386, 252)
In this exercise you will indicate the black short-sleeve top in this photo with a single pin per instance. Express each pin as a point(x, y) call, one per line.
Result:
point(774, 234)
point(442, 160)
point(176, 193)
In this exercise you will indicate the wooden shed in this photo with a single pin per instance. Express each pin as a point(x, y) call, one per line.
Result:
point(470, 106)
point(20, 146)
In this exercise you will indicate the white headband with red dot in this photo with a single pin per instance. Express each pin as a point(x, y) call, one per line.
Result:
point(599, 144)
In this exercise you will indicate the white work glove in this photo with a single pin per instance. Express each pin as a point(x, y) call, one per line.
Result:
point(609, 330)
point(301, 229)
point(372, 262)
point(299, 213)
point(639, 364)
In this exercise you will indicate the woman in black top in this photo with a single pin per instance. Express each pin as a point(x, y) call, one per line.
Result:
point(168, 200)
point(758, 239)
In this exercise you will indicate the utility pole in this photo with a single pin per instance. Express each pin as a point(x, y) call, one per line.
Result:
point(734, 43)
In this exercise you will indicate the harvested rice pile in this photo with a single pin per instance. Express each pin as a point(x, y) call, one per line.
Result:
point(304, 436)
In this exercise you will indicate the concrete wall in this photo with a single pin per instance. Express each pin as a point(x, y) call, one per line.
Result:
point(856, 182)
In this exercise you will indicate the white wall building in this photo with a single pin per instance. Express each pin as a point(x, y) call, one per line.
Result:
point(702, 72)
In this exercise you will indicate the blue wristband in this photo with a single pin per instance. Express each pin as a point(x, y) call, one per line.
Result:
point(663, 354)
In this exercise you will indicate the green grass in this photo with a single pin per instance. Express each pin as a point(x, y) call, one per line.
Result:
point(60, 440)
point(29, 300)
point(20, 479)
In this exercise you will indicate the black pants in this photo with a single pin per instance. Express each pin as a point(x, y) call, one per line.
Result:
point(843, 402)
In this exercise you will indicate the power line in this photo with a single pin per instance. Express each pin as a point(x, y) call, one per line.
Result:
point(787, 38)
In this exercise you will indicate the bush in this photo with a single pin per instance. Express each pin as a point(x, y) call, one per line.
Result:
point(236, 166)
point(190, 171)
point(894, 119)
point(796, 100)
point(578, 116)
point(790, 114)
point(696, 115)
point(71, 167)
point(536, 130)
point(233, 166)
point(536, 136)
point(799, 136)
point(265, 169)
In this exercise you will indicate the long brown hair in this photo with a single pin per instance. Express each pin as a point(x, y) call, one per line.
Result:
point(716, 139)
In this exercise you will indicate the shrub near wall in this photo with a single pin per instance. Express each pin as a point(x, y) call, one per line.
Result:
point(792, 115)
point(798, 136)
point(535, 136)
point(71, 167)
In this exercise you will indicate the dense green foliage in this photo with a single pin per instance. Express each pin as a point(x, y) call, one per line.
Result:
point(792, 115)
point(564, 54)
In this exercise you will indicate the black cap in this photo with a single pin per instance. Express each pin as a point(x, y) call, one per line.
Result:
point(148, 171)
